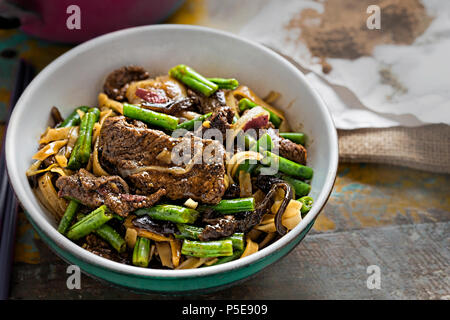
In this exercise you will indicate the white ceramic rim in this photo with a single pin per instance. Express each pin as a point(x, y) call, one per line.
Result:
point(90, 258)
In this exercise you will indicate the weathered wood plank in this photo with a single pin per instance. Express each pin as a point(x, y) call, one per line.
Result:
point(414, 262)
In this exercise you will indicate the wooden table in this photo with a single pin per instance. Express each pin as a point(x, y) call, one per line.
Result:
point(394, 218)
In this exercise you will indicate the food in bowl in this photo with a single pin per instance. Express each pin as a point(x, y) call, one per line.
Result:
point(179, 171)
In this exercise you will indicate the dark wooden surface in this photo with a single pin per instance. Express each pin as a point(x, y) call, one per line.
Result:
point(395, 218)
point(402, 227)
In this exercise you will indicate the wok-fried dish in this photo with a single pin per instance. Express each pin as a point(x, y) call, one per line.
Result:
point(178, 171)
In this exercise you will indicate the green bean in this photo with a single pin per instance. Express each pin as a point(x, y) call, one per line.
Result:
point(188, 231)
point(107, 233)
point(170, 212)
point(296, 137)
point(141, 252)
point(151, 117)
point(68, 216)
point(89, 223)
point(193, 79)
point(307, 203)
point(301, 188)
point(237, 239)
point(74, 118)
point(229, 84)
point(193, 232)
point(228, 206)
point(82, 149)
point(189, 125)
point(246, 103)
point(207, 249)
point(236, 255)
point(287, 166)
point(86, 148)
point(263, 143)
point(110, 235)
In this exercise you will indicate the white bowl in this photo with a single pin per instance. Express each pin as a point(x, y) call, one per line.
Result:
point(76, 78)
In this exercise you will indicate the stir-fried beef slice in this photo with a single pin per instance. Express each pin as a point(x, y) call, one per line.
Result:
point(221, 119)
point(140, 156)
point(117, 82)
point(99, 247)
point(208, 104)
point(112, 191)
point(288, 149)
point(222, 227)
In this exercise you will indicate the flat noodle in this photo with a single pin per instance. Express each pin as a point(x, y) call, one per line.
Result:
point(72, 139)
point(246, 92)
point(250, 248)
point(53, 134)
point(245, 184)
point(50, 195)
point(105, 101)
point(267, 239)
point(175, 247)
point(231, 101)
point(291, 216)
point(61, 158)
point(165, 253)
point(96, 167)
point(49, 150)
point(45, 203)
point(192, 263)
point(34, 168)
point(238, 158)
point(98, 126)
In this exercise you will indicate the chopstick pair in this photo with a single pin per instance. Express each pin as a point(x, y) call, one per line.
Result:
point(8, 201)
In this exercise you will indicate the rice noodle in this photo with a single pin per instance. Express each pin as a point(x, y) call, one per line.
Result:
point(267, 239)
point(245, 184)
point(98, 126)
point(49, 150)
point(175, 247)
point(291, 216)
point(96, 166)
point(246, 92)
point(53, 134)
point(105, 101)
point(250, 248)
point(51, 196)
point(192, 263)
point(164, 253)
point(72, 137)
point(237, 159)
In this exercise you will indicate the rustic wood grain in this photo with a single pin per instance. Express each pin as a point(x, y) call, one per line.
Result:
point(414, 261)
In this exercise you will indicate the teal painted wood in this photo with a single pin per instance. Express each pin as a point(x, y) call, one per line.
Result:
point(181, 285)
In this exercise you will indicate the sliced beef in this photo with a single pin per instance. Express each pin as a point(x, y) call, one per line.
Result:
point(288, 149)
point(99, 247)
point(208, 104)
point(222, 227)
point(221, 119)
point(112, 191)
point(140, 156)
point(116, 82)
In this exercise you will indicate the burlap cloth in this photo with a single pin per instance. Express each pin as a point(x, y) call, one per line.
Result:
point(425, 148)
